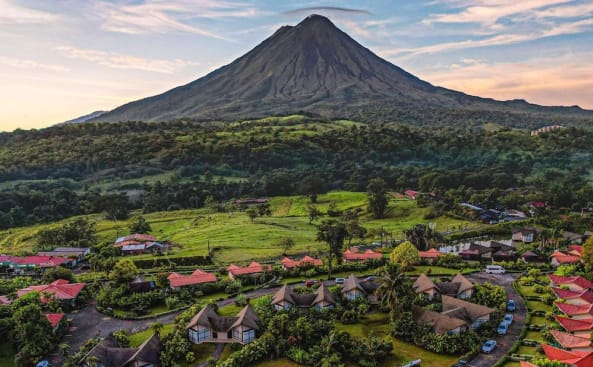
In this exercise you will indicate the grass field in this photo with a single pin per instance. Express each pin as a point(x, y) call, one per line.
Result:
point(6, 354)
point(234, 238)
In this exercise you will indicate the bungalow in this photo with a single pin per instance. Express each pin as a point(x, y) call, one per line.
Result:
point(442, 324)
point(78, 253)
point(352, 255)
point(253, 268)
point(307, 261)
point(572, 358)
point(209, 327)
point(60, 289)
point(353, 289)
point(531, 257)
point(574, 298)
point(582, 328)
point(573, 237)
point(55, 320)
point(460, 287)
point(140, 284)
point(424, 285)
point(473, 314)
point(108, 354)
point(562, 258)
point(574, 283)
point(525, 235)
point(572, 342)
point(177, 281)
point(22, 264)
point(576, 312)
point(490, 250)
point(133, 248)
point(431, 255)
point(286, 299)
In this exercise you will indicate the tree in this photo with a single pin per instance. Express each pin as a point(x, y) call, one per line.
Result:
point(251, 213)
point(285, 244)
point(377, 197)
point(311, 186)
point(353, 228)
point(78, 233)
point(393, 288)
point(116, 206)
point(313, 213)
point(139, 225)
point(124, 271)
point(544, 362)
point(122, 337)
point(264, 209)
point(423, 236)
point(333, 233)
point(56, 273)
point(31, 333)
point(156, 327)
point(405, 255)
point(587, 256)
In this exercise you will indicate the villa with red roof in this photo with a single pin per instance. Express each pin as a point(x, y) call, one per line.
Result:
point(564, 258)
point(571, 358)
point(55, 319)
point(576, 312)
point(20, 264)
point(60, 289)
point(431, 255)
point(288, 263)
point(352, 254)
point(572, 342)
point(574, 298)
point(253, 268)
point(582, 328)
point(574, 283)
point(177, 281)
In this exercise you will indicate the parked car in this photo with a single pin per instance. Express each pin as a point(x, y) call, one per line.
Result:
point(511, 306)
point(503, 327)
point(489, 346)
point(311, 282)
point(508, 318)
point(340, 280)
point(44, 363)
point(495, 269)
point(461, 363)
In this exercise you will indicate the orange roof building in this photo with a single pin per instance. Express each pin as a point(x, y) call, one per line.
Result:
point(176, 280)
point(572, 358)
point(582, 328)
point(572, 342)
point(60, 289)
point(288, 263)
point(574, 283)
point(576, 312)
point(253, 268)
point(560, 258)
point(353, 255)
point(574, 298)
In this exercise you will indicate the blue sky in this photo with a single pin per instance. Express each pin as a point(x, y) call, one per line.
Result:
point(63, 58)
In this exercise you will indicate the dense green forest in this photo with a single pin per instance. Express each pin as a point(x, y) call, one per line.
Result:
point(67, 170)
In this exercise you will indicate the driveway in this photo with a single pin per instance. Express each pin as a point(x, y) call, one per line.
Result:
point(505, 342)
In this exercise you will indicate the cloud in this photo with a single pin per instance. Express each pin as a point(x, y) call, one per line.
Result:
point(119, 61)
point(333, 9)
point(29, 64)
point(157, 16)
point(16, 14)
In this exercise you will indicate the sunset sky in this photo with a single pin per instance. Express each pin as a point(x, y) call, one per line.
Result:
point(60, 59)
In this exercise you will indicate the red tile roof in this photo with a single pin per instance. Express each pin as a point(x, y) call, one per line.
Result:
point(42, 261)
point(59, 289)
point(573, 325)
point(577, 280)
point(54, 318)
point(430, 254)
point(572, 310)
point(577, 358)
point(526, 364)
point(585, 295)
point(563, 258)
point(4, 301)
point(368, 254)
point(537, 204)
point(305, 261)
point(197, 277)
point(576, 249)
point(569, 341)
point(253, 268)
point(411, 193)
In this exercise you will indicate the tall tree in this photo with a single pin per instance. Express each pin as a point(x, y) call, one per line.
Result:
point(124, 271)
point(313, 213)
point(139, 224)
point(393, 289)
point(587, 257)
point(333, 233)
point(377, 197)
point(350, 218)
point(405, 254)
point(423, 236)
point(285, 244)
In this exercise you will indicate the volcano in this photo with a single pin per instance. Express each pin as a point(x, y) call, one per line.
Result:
point(314, 68)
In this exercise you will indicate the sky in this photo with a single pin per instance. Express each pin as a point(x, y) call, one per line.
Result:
point(60, 59)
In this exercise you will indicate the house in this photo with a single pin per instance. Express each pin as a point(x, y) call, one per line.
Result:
point(536, 205)
point(575, 250)
point(353, 289)
point(352, 255)
point(525, 235)
point(573, 237)
point(209, 327)
point(473, 314)
point(177, 281)
point(531, 257)
point(140, 284)
point(5, 301)
point(108, 354)
point(431, 255)
point(572, 342)
point(78, 253)
point(442, 324)
point(490, 250)
point(576, 312)
point(307, 261)
point(60, 289)
point(54, 320)
point(563, 258)
point(411, 194)
point(134, 248)
point(23, 264)
point(574, 298)
point(286, 299)
point(424, 285)
point(572, 358)
point(582, 328)
point(138, 237)
point(251, 269)
point(574, 283)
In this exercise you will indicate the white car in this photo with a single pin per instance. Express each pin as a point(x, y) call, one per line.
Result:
point(495, 269)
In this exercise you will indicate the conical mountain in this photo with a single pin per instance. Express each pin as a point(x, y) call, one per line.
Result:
point(312, 67)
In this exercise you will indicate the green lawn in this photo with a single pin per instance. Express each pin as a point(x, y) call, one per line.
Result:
point(140, 337)
point(402, 351)
point(6, 354)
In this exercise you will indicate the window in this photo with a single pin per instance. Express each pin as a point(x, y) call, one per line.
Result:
point(197, 336)
point(248, 335)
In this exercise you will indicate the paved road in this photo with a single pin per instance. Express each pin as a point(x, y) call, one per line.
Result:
point(503, 343)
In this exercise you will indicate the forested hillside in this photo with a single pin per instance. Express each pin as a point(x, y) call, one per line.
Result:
point(74, 169)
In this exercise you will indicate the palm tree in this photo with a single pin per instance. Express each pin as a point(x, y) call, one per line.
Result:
point(92, 361)
point(156, 327)
point(393, 288)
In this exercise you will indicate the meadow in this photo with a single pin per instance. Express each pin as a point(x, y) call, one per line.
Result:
point(233, 237)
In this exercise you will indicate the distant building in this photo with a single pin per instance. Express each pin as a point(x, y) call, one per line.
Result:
point(525, 235)
point(352, 254)
point(288, 263)
point(431, 255)
point(178, 281)
point(286, 299)
point(251, 269)
point(353, 289)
